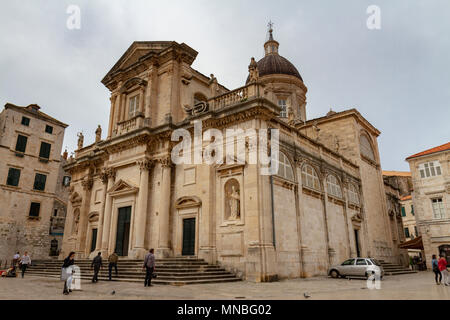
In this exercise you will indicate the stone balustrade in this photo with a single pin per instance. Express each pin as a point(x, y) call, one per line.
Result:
point(131, 124)
point(234, 97)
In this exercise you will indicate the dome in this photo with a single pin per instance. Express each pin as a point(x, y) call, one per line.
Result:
point(273, 63)
point(276, 64)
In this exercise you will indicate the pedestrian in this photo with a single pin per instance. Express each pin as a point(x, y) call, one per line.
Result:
point(435, 266)
point(67, 272)
point(97, 265)
point(16, 258)
point(442, 263)
point(149, 266)
point(112, 259)
point(25, 261)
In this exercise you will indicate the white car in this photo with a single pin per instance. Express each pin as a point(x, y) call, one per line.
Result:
point(357, 267)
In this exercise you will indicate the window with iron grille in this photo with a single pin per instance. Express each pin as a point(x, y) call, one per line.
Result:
point(310, 178)
point(45, 150)
point(13, 177)
point(21, 143)
point(39, 181)
point(333, 186)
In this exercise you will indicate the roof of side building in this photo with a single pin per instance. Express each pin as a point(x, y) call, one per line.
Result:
point(440, 148)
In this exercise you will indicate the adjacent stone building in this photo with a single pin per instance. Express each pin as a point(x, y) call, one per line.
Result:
point(398, 185)
point(32, 195)
point(326, 203)
point(430, 172)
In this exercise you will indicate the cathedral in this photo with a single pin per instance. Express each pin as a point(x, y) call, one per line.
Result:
point(325, 203)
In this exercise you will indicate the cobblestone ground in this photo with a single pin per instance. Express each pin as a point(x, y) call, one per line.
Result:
point(412, 286)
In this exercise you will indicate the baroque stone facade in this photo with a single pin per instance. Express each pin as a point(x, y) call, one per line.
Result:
point(32, 194)
point(326, 203)
point(430, 171)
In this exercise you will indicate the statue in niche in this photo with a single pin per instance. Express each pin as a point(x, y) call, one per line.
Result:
point(98, 134)
point(80, 140)
point(232, 200)
point(76, 221)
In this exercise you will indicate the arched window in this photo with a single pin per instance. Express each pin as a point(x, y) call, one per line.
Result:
point(353, 194)
point(366, 147)
point(310, 178)
point(333, 186)
point(284, 167)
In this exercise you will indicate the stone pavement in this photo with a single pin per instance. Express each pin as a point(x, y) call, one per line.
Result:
point(410, 286)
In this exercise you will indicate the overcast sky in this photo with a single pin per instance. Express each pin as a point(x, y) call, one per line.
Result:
point(398, 77)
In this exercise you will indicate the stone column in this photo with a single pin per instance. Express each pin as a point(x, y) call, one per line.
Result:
point(164, 209)
point(139, 250)
point(104, 178)
point(87, 184)
point(111, 174)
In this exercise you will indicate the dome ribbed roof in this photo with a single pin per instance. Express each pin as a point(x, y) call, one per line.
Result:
point(276, 64)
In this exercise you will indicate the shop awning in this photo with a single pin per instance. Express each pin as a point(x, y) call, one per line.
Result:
point(415, 243)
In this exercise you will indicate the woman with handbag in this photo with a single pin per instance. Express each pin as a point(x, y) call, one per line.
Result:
point(66, 272)
point(435, 266)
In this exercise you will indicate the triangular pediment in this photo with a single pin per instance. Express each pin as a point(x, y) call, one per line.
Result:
point(123, 186)
point(139, 51)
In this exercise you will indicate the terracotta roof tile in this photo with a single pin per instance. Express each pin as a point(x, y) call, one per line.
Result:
point(443, 147)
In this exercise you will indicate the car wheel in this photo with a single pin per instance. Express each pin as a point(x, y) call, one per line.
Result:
point(334, 274)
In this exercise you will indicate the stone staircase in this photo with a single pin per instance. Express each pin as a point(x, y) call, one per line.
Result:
point(174, 271)
point(392, 269)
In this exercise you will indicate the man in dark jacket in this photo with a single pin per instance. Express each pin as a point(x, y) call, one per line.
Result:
point(96, 264)
point(149, 266)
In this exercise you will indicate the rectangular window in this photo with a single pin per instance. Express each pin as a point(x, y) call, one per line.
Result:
point(412, 209)
point(415, 231)
point(45, 150)
point(39, 181)
point(407, 233)
point(283, 106)
point(25, 121)
point(438, 208)
point(48, 129)
point(34, 209)
point(430, 169)
point(403, 212)
point(55, 212)
point(134, 105)
point(13, 177)
point(21, 143)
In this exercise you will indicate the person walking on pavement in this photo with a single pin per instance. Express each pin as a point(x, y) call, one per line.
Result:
point(69, 261)
point(16, 258)
point(435, 266)
point(112, 259)
point(25, 261)
point(97, 265)
point(442, 263)
point(149, 266)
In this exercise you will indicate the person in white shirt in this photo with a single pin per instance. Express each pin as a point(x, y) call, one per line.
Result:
point(16, 258)
point(24, 262)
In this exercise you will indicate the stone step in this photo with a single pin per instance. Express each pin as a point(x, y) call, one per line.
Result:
point(169, 271)
point(142, 276)
point(156, 281)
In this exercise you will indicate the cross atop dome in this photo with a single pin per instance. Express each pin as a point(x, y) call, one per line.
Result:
point(271, 46)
